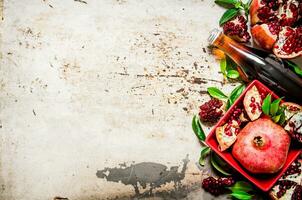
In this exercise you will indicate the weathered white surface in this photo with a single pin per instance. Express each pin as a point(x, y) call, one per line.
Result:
point(89, 86)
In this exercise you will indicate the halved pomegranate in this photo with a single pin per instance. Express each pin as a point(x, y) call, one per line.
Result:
point(237, 29)
point(263, 10)
point(289, 44)
point(276, 26)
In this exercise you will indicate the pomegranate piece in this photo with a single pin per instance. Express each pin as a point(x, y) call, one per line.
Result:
point(252, 103)
point(285, 187)
point(288, 13)
point(217, 186)
point(226, 135)
point(237, 29)
point(262, 147)
point(263, 10)
point(290, 109)
point(276, 25)
point(265, 35)
point(294, 126)
point(289, 44)
point(211, 111)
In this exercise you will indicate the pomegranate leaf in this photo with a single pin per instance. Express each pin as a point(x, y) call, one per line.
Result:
point(228, 15)
point(233, 74)
point(241, 195)
point(223, 66)
point(295, 67)
point(214, 162)
point(216, 93)
point(226, 2)
point(282, 118)
point(241, 186)
point(203, 154)
point(275, 106)
point(235, 94)
point(266, 104)
point(276, 118)
point(197, 128)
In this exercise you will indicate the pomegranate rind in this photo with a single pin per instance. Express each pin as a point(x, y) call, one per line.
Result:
point(270, 157)
point(263, 37)
point(253, 93)
point(224, 140)
point(255, 5)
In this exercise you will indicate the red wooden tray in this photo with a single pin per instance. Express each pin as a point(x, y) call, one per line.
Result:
point(264, 181)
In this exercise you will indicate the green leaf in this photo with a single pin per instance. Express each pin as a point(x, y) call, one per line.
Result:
point(223, 66)
point(241, 186)
point(241, 195)
point(226, 3)
point(203, 154)
point(266, 104)
point(236, 93)
point(295, 67)
point(276, 118)
point(197, 128)
point(228, 15)
point(233, 74)
point(282, 119)
point(217, 166)
point(216, 93)
point(232, 2)
point(275, 107)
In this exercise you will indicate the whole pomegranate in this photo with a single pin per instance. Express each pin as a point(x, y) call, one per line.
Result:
point(276, 26)
point(262, 146)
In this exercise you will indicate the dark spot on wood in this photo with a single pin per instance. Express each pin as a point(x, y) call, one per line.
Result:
point(195, 65)
point(201, 92)
point(185, 109)
point(204, 50)
point(156, 34)
point(50, 5)
point(81, 1)
point(60, 198)
point(180, 90)
point(34, 113)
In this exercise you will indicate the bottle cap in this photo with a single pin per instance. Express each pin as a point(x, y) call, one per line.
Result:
point(213, 35)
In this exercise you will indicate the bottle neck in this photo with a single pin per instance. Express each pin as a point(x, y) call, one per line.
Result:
point(241, 54)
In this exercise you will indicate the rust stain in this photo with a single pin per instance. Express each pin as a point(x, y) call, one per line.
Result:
point(70, 70)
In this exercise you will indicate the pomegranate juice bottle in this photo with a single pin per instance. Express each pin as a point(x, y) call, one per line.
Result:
point(261, 65)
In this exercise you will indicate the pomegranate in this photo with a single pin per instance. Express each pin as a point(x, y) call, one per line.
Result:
point(275, 26)
point(263, 10)
point(285, 188)
point(262, 146)
point(226, 135)
point(217, 186)
point(294, 126)
point(211, 111)
point(252, 103)
point(265, 35)
point(290, 109)
point(237, 29)
point(289, 44)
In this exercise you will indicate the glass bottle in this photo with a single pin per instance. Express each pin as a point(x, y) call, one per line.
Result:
point(263, 66)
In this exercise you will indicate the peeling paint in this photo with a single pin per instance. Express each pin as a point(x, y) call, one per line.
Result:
point(148, 175)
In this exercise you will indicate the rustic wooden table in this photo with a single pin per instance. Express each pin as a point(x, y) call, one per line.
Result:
point(97, 97)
